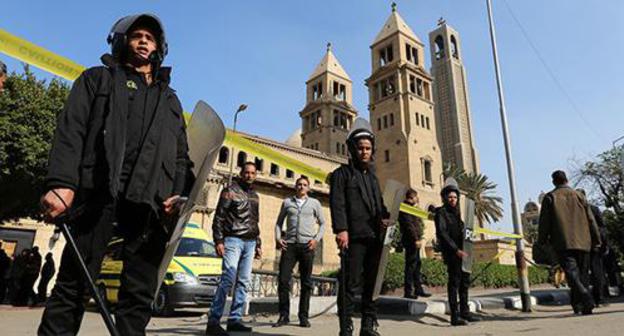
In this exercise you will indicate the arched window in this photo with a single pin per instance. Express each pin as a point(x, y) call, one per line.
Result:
point(242, 158)
point(259, 164)
point(224, 154)
point(454, 49)
point(439, 47)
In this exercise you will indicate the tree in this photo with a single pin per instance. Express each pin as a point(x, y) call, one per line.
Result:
point(28, 110)
point(483, 191)
point(603, 179)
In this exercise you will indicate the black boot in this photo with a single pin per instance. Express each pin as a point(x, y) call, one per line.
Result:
point(470, 317)
point(215, 330)
point(458, 321)
point(421, 292)
point(281, 321)
point(369, 327)
point(238, 326)
point(347, 329)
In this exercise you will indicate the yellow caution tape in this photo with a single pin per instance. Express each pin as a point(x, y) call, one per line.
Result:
point(37, 56)
point(497, 233)
point(44, 59)
point(414, 211)
point(267, 153)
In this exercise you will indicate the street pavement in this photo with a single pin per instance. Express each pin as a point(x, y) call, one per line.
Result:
point(544, 320)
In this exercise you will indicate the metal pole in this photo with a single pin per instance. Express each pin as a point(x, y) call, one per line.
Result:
point(241, 108)
point(523, 279)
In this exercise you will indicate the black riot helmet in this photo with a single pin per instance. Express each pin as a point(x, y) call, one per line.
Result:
point(3, 68)
point(118, 36)
point(360, 130)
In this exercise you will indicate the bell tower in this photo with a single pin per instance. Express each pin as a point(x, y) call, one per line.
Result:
point(401, 111)
point(452, 109)
point(328, 113)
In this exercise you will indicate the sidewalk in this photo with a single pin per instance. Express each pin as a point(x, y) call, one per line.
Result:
point(480, 299)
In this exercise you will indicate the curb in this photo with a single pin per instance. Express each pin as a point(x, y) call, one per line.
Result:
point(398, 306)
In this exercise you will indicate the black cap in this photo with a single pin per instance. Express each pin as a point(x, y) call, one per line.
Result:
point(3, 68)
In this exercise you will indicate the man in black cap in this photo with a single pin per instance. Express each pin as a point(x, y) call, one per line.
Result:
point(119, 161)
point(450, 236)
point(358, 217)
point(567, 224)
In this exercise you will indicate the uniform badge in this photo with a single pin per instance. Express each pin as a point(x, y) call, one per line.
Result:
point(131, 84)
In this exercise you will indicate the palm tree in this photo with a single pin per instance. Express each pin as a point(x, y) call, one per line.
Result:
point(483, 191)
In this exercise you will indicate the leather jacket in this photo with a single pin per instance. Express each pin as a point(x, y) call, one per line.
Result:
point(237, 214)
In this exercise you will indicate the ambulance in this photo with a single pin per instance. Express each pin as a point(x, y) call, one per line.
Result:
point(191, 280)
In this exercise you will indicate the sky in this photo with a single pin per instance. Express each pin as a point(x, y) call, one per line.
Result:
point(563, 102)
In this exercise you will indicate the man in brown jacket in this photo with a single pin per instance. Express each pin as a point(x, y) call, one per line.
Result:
point(567, 224)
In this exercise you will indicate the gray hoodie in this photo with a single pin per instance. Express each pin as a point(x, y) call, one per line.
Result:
point(300, 221)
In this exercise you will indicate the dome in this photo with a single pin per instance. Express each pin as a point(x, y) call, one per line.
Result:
point(294, 139)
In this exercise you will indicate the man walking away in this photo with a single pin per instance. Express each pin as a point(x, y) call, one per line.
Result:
point(302, 214)
point(236, 234)
point(47, 272)
point(567, 223)
point(412, 228)
point(450, 235)
point(596, 256)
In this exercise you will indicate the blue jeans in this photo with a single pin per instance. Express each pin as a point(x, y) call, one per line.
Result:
point(237, 260)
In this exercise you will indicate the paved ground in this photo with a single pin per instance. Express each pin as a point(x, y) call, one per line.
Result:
point(545, 320)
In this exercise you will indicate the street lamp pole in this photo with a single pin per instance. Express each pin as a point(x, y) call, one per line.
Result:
point(523, 279)
point(241, 108)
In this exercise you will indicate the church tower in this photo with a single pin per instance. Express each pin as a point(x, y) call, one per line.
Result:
point(401, 111)
point(328, 113)
point(452, 110)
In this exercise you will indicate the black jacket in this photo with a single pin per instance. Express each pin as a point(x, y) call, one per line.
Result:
point(90, 138)
point(411, 229)
point(237, 214)
point(351, 209)
point(449, 231)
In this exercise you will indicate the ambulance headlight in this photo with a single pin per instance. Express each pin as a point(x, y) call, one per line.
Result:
point(184, 278)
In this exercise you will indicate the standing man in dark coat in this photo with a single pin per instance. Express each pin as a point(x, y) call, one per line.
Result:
point(119, 161)
point(236, 233)
point(33, 265)
point(450, 236)
point(16, 278)
point(568, 225)
point(5, 265)
point(412, 228)
point(47, 272)
point(358, 217)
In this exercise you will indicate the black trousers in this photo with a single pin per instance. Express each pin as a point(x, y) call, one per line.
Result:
point(361, 266)
point(42, 289)
point(295, 253)
point(598, 279)
point(412, 270)
point(458, 284)
point(143, 248)
point(575, 264)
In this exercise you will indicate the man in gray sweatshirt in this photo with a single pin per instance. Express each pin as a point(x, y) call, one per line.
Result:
point(302, 214)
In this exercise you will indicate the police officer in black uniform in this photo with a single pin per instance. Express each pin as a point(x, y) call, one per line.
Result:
point(450, 236)
point(119, 162)
point(358, 217)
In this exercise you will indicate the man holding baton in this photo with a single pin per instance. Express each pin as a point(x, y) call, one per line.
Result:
point(118, 164)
